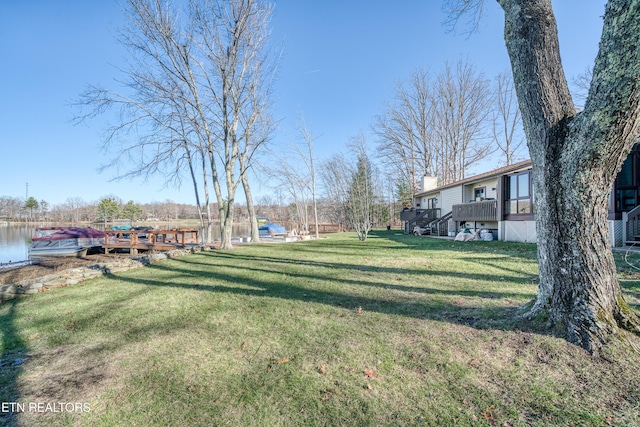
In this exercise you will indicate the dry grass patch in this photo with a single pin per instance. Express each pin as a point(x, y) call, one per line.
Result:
point(70, 374)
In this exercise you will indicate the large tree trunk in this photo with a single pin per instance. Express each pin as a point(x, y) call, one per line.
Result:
point(226, 226)
point(578, 282)
point(576, 157)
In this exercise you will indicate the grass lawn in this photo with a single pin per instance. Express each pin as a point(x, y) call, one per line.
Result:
point(398, 330)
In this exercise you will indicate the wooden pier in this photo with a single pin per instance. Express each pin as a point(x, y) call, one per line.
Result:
point(326, 228)
point(149, 240)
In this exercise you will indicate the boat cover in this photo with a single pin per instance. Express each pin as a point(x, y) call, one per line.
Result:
point(82, 236)
point(271, 229)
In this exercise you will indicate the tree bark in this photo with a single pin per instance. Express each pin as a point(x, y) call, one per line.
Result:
point(576, 157)
point(255, 233)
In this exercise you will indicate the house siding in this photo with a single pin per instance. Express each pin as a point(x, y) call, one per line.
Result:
point(616, 233)
point(518, 228)
point(449, 197)
point(425, 199)
point(519, 231)
point(490, 185)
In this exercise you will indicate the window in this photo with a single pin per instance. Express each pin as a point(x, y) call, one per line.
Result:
point(518, 196)
point(626, 185)
point(479, 193)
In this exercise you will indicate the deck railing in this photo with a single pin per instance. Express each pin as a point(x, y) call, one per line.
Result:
point(440, 226)
point(633, 225)
point(424, 216)
point(418, 217)
point(326, 228)
point(162, 240)
point(485, 210)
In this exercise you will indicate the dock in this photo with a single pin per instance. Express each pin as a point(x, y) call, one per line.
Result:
point(149, 240)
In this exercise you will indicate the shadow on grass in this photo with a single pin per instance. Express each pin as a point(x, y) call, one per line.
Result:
point(629, 263)
point(479, 317)
point(131, 312)
point(526, 252)
point(265, 275)
point(287, 274)
point(632, 288)
point(409, 241)
point(14, 354)
point(313, 272)
point(277, 277)
point(244, 263)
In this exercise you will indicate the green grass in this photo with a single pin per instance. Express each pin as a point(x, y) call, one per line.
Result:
point(398, 330)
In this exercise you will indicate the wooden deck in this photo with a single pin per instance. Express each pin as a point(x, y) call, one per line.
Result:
point(485, 210)
point(152, 240)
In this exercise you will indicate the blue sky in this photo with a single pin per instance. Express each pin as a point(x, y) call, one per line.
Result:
point(341, 61)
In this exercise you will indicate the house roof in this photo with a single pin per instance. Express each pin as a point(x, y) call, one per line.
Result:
point(491, 174)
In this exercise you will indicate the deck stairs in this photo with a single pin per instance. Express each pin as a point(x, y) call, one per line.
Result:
point(436, 226)
point(440, 226)
point(421, 220)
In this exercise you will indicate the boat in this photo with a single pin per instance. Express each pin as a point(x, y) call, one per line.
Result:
point(58, 249)
point(262, 220)
point(142, 231)
point(121, 228)
point(271, 229)
point(65, 241)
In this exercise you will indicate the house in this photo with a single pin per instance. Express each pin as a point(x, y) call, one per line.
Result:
point(502, 201)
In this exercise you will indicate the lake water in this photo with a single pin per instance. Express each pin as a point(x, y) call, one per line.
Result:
point(15, 239)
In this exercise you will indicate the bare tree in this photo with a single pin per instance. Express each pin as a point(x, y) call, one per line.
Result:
point(581, 84)
point(406, 144)
point(334, 174)
point(361, 191)
point(162, 107)
point(270, 206)
point(507, 120)
point(194, 85)
point(461, 104)
point(297, 184)
point(353, 189)
point(10, 207)
point(75, 206)
point(253, 217)
point(576, 156)
point(435, 127)
point(307, 159)
point(236, 32)
point(258, 127)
